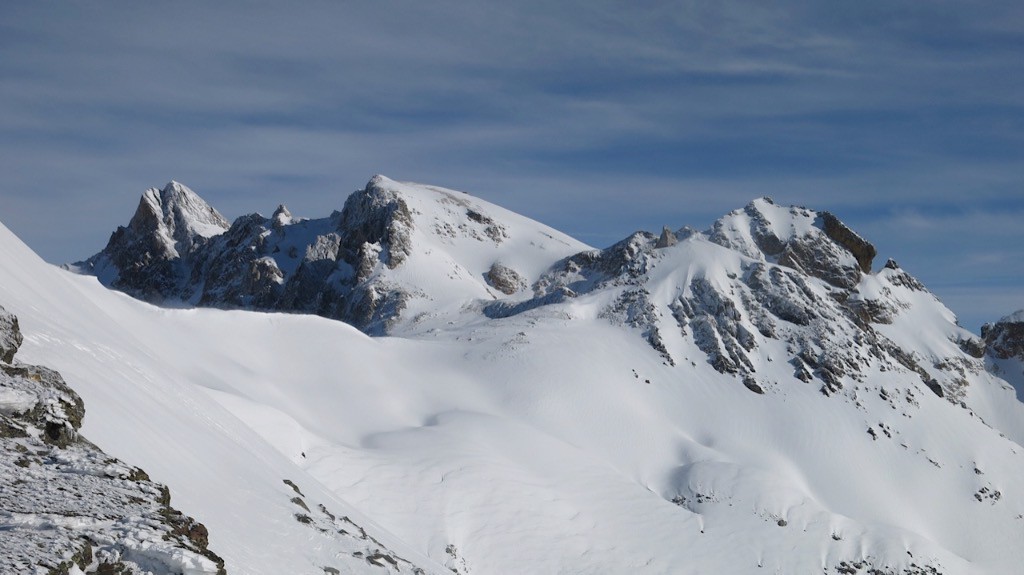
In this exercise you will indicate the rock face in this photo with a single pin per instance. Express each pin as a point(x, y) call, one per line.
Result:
point(64, 504)
point(1005, 338)
point(10, 336)
point(817, 244)
point(178, 248)
point(151, 257)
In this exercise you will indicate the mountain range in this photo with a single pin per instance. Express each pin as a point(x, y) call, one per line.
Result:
point(426, 382)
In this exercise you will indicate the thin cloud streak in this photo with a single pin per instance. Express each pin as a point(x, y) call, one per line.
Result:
point(596, 118)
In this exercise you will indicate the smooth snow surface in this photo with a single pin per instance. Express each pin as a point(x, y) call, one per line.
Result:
point(552, 441)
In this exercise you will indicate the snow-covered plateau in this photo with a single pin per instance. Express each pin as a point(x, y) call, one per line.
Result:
point(424, 382)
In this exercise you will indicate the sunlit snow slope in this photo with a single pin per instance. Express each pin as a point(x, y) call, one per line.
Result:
point(156, 411)
point(718, 402)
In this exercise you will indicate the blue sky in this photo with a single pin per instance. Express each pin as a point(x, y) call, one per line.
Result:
point(598, 118)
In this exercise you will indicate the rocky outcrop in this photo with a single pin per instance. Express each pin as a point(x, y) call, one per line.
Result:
point(1004, 339)
point(152, 257)
point(624, 263)
point(179, 249)
point(666, 239)
point(359, 547)
point(64, 504)
point(505, 279)
point(817, 244)
point(799, 284)
point(377, 216)
point(10, 336)
point(837, 231)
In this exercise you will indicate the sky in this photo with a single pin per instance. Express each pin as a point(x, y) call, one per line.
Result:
point(904, 118)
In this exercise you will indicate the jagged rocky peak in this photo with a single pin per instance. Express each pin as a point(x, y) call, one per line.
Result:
point(1004, 339)
point(666, 239)
point(178, 214)
point(378, 216)
point(147, 257)
point(816, 243)
point(282, 217)
point(390, 244)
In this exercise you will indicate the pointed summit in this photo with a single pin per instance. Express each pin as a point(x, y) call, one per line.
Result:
point(667, 238)
point(282, 217)
point(169, 225)
point(816, 243)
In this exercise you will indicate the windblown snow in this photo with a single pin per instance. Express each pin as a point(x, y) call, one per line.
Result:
point(750, 399)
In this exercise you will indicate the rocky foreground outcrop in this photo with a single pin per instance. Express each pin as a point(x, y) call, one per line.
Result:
point(67, 507)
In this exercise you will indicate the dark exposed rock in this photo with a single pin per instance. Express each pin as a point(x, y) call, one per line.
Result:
point(1005, 338)
point(829, 250)
point(492, 229)
point(897, 276)
point(294, 487)
point(752, 385)
point(10, 336)
point(847, 238)
point(377, 216)
point(715, 324)
point(177, 248)
point(505, 279)
point(666, 239)
point(72, 505)
point(152, 257)
point(624, 263)
point(972, 346)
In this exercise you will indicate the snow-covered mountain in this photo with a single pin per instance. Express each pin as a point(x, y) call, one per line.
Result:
point(394, 253)
point(753, 398)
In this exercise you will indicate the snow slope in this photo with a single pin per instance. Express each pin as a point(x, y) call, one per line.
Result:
point(146, 408)
point(586, 433)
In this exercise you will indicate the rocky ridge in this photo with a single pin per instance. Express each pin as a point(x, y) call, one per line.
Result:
point(342, 267)
point(766, 281)
point(152, 257)
point(763, 282)
point(67, 507)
